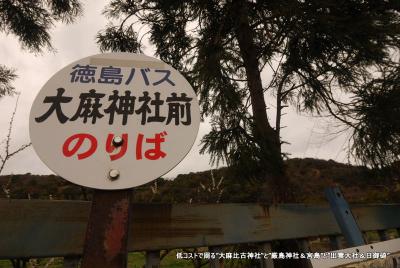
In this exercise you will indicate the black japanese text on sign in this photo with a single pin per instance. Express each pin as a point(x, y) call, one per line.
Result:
point(142, 105)
point(94, 106)
point(114, 113)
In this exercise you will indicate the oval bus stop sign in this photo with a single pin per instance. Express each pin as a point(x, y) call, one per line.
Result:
point(114, 121)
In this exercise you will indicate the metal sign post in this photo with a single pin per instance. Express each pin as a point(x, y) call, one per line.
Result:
point(112, 122)
point(107, 230)
point(344, 217)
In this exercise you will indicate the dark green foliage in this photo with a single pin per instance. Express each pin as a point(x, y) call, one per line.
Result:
point(309, 177)
point(65, 10)
point(353, 47)
point(333, 44)
point(377, 110)
point(30, 21)
point(231, 140)
point(316, 50)
point(197, 38)
point(6, 77)
point(115, 37)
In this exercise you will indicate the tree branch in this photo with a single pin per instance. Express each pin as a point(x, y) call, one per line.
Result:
point(7, 153)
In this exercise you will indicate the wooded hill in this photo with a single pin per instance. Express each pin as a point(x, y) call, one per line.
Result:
point(309, 176)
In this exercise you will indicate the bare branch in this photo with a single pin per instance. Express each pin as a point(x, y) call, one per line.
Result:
point(7, 153)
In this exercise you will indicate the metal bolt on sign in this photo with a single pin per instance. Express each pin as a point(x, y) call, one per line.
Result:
point(113, 174)
point(117, 141)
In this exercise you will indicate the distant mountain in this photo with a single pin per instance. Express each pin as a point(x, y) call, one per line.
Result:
point(309, 178)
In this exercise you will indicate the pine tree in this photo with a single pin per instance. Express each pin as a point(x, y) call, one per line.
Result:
point(31, 21)
point(314, 49)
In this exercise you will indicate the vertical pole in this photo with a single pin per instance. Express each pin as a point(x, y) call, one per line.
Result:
point(335, 242)
point(365, 237)
point(304, 247)
point(107, 230)
point(153, 259)
point(71, 262)
point(267, 263)
point(215, 263)
point(344, 217)
point(383, 235)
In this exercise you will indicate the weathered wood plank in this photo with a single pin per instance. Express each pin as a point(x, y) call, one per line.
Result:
point(35, 228)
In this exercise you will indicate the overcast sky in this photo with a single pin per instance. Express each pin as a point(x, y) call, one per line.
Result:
point(307, 136)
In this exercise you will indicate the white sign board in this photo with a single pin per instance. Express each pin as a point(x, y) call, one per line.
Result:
point(114, 121)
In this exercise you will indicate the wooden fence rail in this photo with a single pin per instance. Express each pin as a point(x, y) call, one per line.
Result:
point(36, 228)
